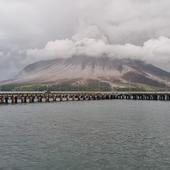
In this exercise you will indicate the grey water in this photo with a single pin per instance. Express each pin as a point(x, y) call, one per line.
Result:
point(94, 135)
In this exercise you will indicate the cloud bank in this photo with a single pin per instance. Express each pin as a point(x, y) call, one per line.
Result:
point(155, 51)
point(39, 29)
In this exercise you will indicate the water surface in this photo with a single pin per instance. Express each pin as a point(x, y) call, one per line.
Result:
point(95, 135)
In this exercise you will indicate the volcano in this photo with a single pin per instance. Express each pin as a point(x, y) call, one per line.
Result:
point(83, 70)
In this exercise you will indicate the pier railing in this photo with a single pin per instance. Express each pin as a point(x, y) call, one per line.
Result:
point(58, 96)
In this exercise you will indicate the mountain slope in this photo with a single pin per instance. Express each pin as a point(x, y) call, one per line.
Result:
point(83, 69)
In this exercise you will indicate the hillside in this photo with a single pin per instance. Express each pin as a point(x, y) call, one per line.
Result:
point(82, 72)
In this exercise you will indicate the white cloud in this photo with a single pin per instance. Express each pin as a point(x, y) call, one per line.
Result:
point(156, 51)
point(120, 28)
point(53, 49)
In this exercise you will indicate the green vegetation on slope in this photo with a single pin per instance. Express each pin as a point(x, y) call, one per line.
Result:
point(90, 86)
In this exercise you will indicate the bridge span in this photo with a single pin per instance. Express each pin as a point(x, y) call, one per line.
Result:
point(15, 97)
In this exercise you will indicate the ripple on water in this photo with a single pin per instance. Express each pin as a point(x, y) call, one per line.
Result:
point(85, 135)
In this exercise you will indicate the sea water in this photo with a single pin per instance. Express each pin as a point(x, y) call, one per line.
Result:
point(88, 135)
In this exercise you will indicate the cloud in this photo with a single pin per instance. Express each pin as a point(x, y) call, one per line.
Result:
point(156, 51)
point(127, 21)
point(53, 49)
point(39, 29)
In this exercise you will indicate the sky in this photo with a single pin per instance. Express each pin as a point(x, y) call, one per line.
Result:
point(33, 30)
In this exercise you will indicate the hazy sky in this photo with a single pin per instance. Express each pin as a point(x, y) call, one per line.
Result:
point(32, 30)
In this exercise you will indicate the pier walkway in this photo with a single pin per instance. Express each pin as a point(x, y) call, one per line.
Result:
point(56, 96)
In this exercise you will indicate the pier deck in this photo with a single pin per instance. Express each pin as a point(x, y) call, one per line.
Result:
point(56, 96)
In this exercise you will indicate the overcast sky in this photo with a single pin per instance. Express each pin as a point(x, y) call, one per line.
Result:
point(32, 30)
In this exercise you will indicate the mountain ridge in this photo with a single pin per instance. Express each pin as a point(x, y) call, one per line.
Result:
point(84, 69)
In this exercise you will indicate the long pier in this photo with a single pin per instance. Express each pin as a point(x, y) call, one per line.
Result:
point(56, 96)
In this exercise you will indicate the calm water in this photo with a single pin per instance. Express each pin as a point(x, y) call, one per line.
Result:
point(96, 135)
